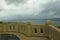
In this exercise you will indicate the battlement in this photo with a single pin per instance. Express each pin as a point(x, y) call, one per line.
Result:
point(28, 28)
point(32, 30)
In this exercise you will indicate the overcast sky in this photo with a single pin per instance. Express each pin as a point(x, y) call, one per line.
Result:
point(10, 9)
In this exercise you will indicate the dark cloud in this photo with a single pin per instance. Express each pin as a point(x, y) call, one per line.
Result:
point(49, 10)
point(52, 9)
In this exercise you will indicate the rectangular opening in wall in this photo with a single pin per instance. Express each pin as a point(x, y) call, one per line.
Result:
point(35, 30)
point(12, 27)
point(41, 30)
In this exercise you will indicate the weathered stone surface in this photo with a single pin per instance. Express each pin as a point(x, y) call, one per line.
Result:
point(30, 31)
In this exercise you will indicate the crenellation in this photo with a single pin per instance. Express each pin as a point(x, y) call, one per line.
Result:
point(48, 22)
point(29, 31)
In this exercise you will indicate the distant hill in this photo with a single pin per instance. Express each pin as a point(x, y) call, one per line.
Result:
point(55, 19)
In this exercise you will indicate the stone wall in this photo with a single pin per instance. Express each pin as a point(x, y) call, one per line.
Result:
point(54, 32)
point(29, 31)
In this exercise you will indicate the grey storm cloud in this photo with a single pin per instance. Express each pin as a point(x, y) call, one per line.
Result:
point(52, 9)
point(34, 9)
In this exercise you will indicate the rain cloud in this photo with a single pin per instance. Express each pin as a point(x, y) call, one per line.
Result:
point(13, 9)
